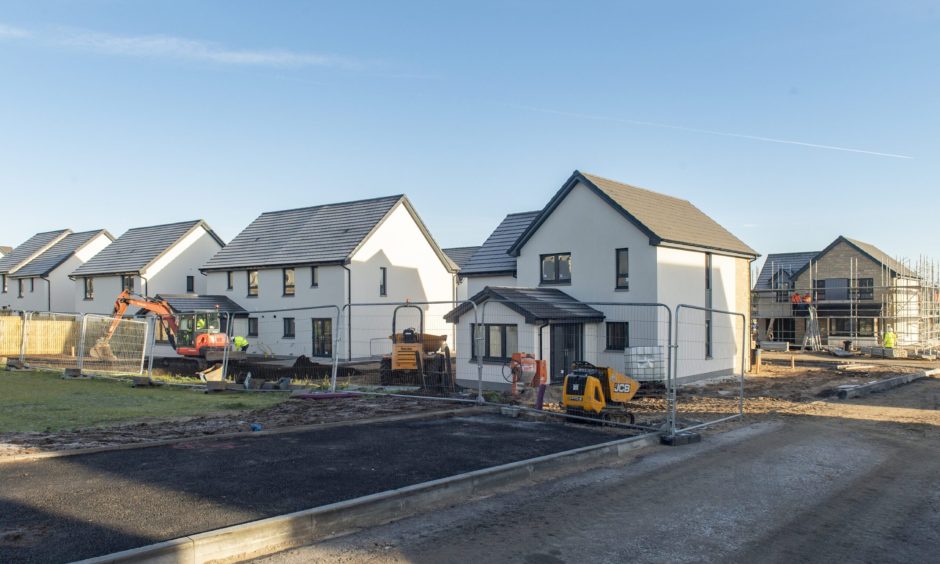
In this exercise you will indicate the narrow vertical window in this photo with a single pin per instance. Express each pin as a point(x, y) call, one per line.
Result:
point(383, 281)
point(314, 276)
point(32, 285)
point(252, 282)
point(89, 288)
point(190, 284)
point(230, 280)
point(3, 283)
point(289, 327)
point(287, 276)
point(252, 326)
point(623, 269)
point(19, 287)
point(322, 337)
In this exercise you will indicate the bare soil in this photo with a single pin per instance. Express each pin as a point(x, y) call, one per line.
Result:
point(290, 413)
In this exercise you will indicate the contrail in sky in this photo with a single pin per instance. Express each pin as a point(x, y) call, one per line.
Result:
point(712, 132)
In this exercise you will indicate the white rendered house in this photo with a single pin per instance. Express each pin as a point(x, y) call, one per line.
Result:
point(20, 256)
point(292, 269)
point(546, 273)
point(160, 259)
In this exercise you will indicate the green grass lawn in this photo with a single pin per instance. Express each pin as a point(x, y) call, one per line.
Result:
point(43, 401)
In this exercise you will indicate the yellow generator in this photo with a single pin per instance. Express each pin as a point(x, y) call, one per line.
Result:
point(599, 393)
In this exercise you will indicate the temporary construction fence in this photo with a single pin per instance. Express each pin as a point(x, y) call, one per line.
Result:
point(57, 341)
point(710, 362)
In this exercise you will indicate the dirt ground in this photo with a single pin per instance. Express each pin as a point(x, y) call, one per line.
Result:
point(290, 413)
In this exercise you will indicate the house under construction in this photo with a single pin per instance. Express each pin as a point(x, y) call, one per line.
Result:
point(849, 291)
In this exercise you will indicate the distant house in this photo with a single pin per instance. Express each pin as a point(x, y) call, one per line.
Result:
point(4, 250)
point(598, 240)
point(43, 283)
point(856, 290)
point(366, 251)
point(19, 256)
point(461, 256)
point(160, 259)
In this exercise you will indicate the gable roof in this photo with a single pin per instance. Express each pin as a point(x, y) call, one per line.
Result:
point(460, 255)
point(4, 250)
point(666, 220)
point(59, 253)
point(867, 249)
point(30, 249)
point(324, 234)
point(789, 263)
point(138, 248)
point(493, 257)
point(536, 305)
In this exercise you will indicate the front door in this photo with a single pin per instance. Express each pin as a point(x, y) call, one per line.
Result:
point(567, 347)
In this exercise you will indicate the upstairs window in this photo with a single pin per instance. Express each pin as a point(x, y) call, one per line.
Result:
point(32, 285)
point(89, 288)
point(230, 280)
point(127, 283)
point(3, 283)
point(314, 276)
point(623, 269)
point(190, 284)
point(383, 281)
point(289, 328)
point(287, 276)
point(252, 282)
point(19, 287)
point(556, 268)
point(866, 288)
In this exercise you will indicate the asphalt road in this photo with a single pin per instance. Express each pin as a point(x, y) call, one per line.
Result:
point(796, 489)
point(63, 509)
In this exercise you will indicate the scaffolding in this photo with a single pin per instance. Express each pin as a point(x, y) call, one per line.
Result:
point(856, 305)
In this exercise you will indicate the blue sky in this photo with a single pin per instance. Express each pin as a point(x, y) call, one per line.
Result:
point(120, 114)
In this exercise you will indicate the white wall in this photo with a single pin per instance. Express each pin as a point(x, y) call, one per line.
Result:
point(475, 284)
point(466, 367)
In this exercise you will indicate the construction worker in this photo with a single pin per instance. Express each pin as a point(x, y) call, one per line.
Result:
point(890, 339)
point(241, 343)
point(200, 323)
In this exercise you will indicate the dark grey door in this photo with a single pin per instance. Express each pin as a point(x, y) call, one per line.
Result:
point(567, 347)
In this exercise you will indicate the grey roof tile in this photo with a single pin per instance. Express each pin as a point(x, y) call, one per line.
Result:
point(29, 249)
point(665, 219)
point(788, 263)
point(58, 253)
point(460, 255)
point(536, 305)
point(184, 303)
point(878, 255)
point(493, 257)
point(138, 247)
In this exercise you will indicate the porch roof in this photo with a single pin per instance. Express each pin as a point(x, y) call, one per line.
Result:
point(536, 305)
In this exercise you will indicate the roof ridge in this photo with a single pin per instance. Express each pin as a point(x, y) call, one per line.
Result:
point(362, 201)
point(634, 187)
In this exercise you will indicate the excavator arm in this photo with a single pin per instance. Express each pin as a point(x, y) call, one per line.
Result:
point(158, 307)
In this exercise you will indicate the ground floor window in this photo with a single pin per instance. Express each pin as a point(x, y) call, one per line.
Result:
point(252, 326)
point(322, 337)
point(843, 327)
point(499, 341)
point(618, 335)
point(289, 328)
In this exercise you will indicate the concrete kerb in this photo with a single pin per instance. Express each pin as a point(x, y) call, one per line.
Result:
point(886, 384)
point(439, 414)
point(267, 536)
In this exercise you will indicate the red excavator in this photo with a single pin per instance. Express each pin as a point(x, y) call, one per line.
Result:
point(191, 334)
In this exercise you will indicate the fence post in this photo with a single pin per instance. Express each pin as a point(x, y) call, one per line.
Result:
point(25, 336)
point(81, 344)
point(477, 327)
point(153, 342)
point(335, 352)
point(228, 346)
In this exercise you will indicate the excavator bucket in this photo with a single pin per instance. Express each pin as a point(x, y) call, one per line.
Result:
point(102, 351)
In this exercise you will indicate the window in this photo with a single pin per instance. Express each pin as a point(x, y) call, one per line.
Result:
point(819, 291)
point(127, 283)
point(314, 276)
point(19, 287)
point(623, 269)
point(32, 285)
point(843, 327)
point(556, 269)
point(383, 281)
point(287, 276)
point(89, 288)
point(836, 289)
point(252, 326)
point(3, 283)
point(288, 327)
point(252, 282)
point(499, 341)
point(618, 335)
point(230, 280)
point(190, 284)
point(866, 288)
point(322, 337)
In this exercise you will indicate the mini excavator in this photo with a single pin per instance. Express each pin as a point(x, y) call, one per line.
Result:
point(599, 393)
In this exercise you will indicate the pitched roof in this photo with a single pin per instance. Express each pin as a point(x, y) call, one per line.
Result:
point(185, 303)
point(537, 305)
point(30, 249)
point(493, 257)
point(869, 250)
point(460, 255)
point(58, 253)
point(665, 220)
point(137, 248)
point(789, 263)
point(324, 234)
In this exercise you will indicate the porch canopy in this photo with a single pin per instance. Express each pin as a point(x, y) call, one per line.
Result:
point(536, 305)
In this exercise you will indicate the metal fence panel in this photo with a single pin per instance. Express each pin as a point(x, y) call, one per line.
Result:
point(126, 349)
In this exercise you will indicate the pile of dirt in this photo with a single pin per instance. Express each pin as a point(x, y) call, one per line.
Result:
point(290, 413)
